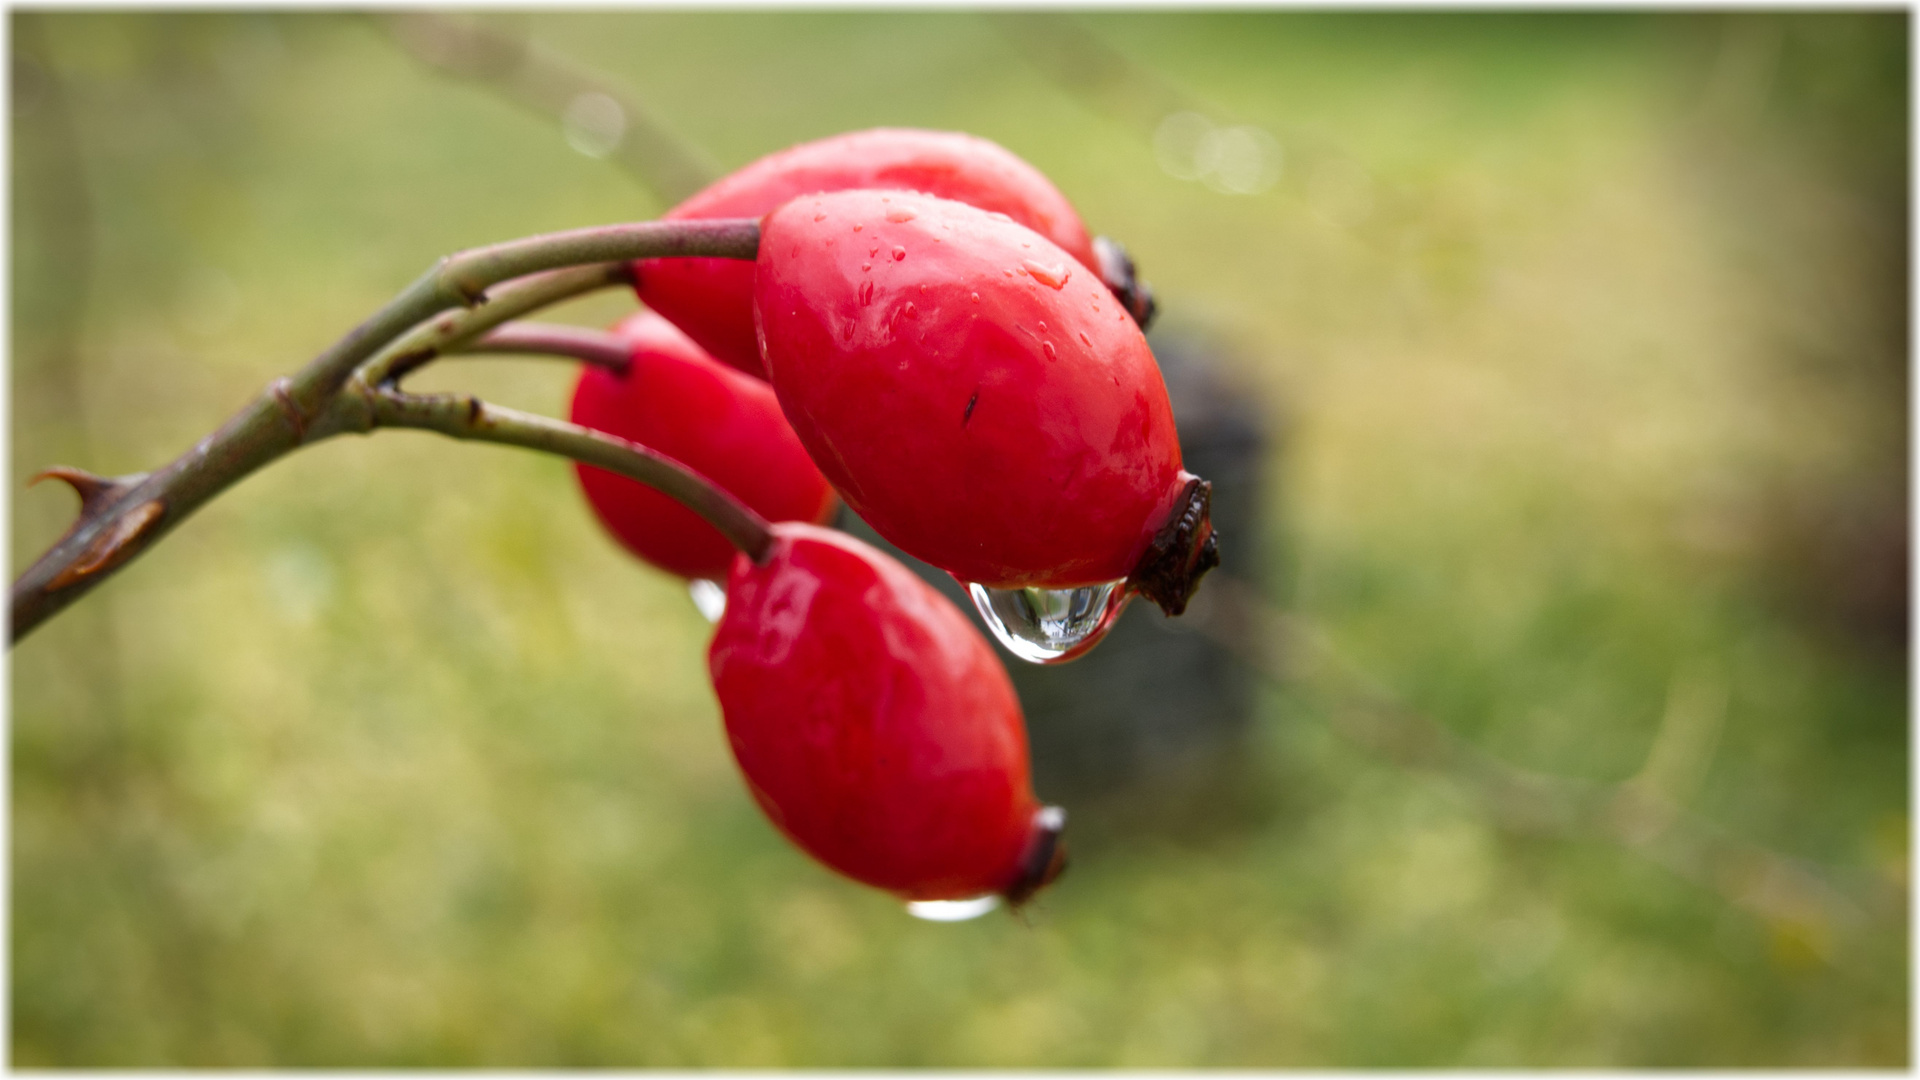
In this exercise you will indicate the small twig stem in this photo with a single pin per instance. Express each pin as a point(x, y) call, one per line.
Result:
point(309, 406)
point(596, 347)
point(463, 416)
point(454, 331)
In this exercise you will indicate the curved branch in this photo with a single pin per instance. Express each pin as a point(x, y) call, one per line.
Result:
point(463, 416)
point(308, 406)
point(596, 347)
point(463, 278)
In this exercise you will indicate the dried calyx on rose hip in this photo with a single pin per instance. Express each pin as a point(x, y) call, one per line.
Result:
point(984, 403)
point(711, 299)
point(674, 398)
point(876, 727)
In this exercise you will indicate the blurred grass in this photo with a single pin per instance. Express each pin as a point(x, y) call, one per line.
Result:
point(1589, 333)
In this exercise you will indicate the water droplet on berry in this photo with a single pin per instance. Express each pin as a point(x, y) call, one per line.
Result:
point(1043, 326)
point(1085, 340)
point(899, 214)
point(866, 266)
point(1050, 626)
point(819, 217)
point(952, 910)
point(899, 253)
point(1047, 347)
point(857, 226)
point(1053, 277)
point(709, 596)
point(866, 293)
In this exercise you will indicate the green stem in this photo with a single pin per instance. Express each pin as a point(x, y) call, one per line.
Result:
point(596, 347)
point(463, 416)
point(454, 331)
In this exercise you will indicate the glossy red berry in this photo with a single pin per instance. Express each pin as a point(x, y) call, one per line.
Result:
point(874, 724)
point(727, 426)
point(711, 299)
point(976, 395)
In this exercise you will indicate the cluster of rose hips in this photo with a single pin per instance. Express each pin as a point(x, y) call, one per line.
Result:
point(929, 332)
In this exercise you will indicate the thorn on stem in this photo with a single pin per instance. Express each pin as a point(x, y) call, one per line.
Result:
point(94, 491)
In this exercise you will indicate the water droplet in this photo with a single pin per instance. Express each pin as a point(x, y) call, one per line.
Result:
point(1043, 326)
point(709, 596)
point(909, 311)
point(952, 910)
point(819, 217)
point(866, 266)
point(899, 253)
point(976, 298)
point(899, 214)
point(1047, 347)
point(1085, 340)
point(1050, 626)
point(866, 293)
point(874, 250)
point(857, 226)
point(1052, 276)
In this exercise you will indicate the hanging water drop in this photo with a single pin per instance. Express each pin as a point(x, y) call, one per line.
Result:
point(1050, 626)
point(708, 596)
point(952, 910)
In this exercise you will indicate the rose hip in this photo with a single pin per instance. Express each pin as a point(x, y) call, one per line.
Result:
point(711, 299)
point(875, 726)
point(727, 426)
point(977, 395)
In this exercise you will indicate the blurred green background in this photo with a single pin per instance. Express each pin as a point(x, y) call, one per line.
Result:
point(1583, 340)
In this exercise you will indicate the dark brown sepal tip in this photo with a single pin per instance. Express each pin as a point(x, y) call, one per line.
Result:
point(1117, 270)
point(1182, 551)
point(1045, 858)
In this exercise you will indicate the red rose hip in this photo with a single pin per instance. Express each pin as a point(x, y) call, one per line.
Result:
point(711, 299)
point(875, 726)
point(720, 423)
point(976, 395)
